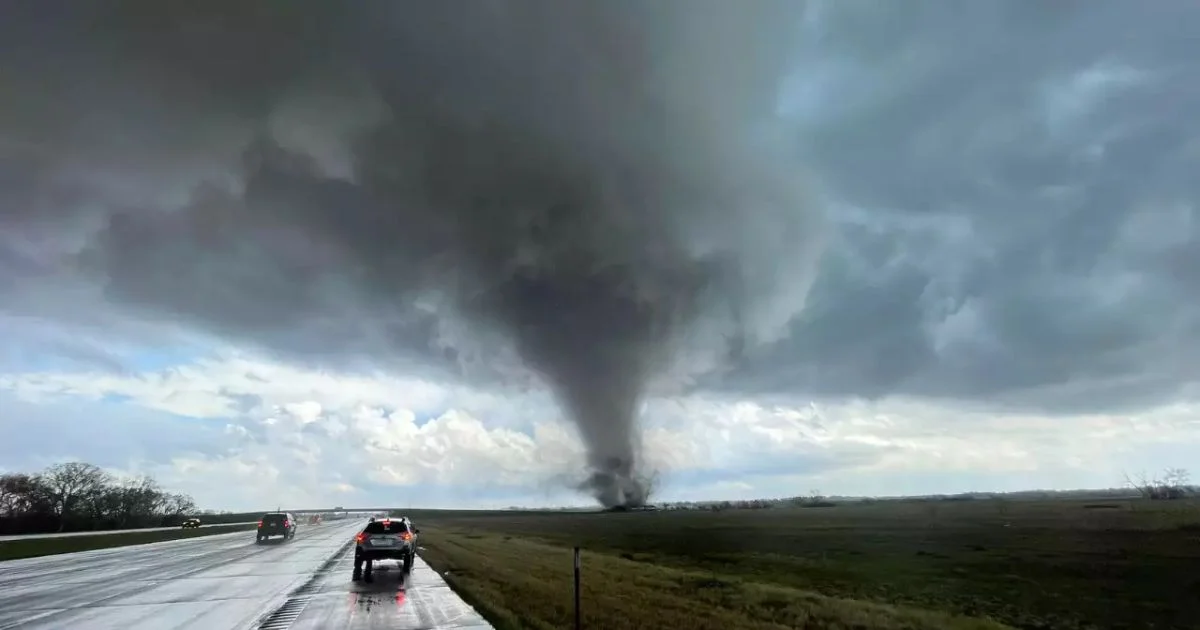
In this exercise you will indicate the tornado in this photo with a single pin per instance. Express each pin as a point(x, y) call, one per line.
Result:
point(602, 190)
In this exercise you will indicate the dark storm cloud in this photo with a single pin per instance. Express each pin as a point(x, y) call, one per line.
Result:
point(595, 187)
point(430, 188)
point(1026, 229)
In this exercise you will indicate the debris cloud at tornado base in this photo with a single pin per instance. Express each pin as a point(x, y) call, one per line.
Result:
point(594, 188)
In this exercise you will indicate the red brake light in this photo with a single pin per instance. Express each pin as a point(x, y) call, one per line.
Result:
point(260, 523)
point(360, 537)
point(406, 535)
point(287, 523)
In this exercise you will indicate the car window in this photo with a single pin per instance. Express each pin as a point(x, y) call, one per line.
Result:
point(274, 518)
point(391, 527)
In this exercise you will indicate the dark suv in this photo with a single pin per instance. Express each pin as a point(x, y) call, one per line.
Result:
point(385, 539)
point(276, 524)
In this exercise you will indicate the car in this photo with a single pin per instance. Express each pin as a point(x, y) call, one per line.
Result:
point(276, 524)
point(191, 523)
point(385, 539)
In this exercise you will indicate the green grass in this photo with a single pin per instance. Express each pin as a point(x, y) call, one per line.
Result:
point(518, 583)
point(34, 547)
point(1049, 564)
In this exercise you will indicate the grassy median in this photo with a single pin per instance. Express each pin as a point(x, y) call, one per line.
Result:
point(1034, 565)
point(34, 547)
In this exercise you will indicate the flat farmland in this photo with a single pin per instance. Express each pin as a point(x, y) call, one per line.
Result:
point(938, 564)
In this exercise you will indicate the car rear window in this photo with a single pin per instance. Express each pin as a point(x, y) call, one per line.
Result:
point(391, 527)
point(274, 518)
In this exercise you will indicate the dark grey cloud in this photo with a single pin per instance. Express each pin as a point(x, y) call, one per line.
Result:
point(600, 192)
point(1025, 228)
point(596, 189)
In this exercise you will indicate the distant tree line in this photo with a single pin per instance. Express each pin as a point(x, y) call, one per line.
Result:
point(77, 496)
point(1173, 483)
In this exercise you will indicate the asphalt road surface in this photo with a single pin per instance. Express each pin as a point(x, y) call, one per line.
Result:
point(422, 601)
point(225, 582)
point(114, 531)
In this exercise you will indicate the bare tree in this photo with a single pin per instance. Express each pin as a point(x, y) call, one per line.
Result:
point(1176, 477)
point(124, 503)
point(1141, 483)
point(1172, 484)
point(135, 497)
point(70, 484)
point(99, 505)
point(78, 495)
point(178, 505)
point(19, 494)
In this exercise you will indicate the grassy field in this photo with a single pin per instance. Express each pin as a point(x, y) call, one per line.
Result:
point(33, 547)
point(1046, 564)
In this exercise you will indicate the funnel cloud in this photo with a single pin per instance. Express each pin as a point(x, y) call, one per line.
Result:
point(593, 193)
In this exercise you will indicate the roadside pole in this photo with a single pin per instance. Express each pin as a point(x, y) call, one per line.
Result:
point(578, 624)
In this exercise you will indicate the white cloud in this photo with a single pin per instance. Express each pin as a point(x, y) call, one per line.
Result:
point(1065, 102)
point(316, 438)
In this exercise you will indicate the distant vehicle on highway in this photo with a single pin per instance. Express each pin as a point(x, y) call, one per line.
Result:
point(385, 539)
point(191, 523)
point(276, 524)
point(315, 519)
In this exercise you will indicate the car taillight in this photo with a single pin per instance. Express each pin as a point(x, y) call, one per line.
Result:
point(287, 523)
point(359, 538)
point(260, 523)
point(406, 535)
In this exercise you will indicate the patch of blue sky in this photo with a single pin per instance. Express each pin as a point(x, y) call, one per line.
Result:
point(421, 416)
point(42, 354)
point(16, 357)
point(424, 416)
point(105, 434)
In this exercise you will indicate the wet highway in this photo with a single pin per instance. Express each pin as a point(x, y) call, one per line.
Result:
point(224, 582)
point(420, 602)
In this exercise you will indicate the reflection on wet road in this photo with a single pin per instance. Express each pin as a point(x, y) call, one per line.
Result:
point(423, 601)
point(225, 582)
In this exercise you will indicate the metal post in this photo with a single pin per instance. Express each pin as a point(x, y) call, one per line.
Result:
point(578, 624)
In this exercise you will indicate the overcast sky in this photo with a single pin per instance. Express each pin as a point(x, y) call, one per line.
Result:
point(332, 256)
